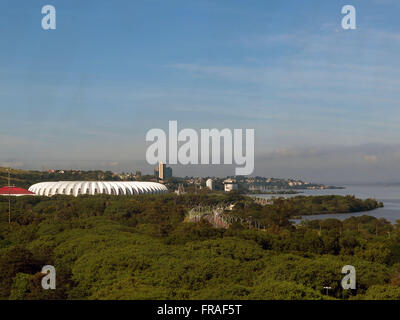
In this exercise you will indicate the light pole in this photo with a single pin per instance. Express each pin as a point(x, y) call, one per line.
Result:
point(9, 198)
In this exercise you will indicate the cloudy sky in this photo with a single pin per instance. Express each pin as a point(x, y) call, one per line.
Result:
point(324, 102)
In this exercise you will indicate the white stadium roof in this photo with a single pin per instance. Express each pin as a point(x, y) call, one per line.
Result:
point(75, 188)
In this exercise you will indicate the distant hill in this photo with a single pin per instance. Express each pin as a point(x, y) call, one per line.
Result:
point(25, 178)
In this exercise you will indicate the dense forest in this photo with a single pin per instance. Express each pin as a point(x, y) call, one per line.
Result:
point(127, 247)
point(309, 205)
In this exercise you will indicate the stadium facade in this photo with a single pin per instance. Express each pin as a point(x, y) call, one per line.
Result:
point(76, 188)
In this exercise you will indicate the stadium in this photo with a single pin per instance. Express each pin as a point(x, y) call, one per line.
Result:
point(76, 188)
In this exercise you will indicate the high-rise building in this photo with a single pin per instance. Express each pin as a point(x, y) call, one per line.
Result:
point(163, 172)
point(167, 172)
point(161, 169)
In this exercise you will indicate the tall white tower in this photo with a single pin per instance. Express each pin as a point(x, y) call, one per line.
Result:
point(210, 184)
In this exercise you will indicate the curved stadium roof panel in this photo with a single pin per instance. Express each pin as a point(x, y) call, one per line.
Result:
point(76, 188)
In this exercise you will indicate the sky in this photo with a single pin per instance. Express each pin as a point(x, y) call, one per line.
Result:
point(324, 101)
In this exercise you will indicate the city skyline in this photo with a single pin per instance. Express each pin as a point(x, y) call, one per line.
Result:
point(322, 100)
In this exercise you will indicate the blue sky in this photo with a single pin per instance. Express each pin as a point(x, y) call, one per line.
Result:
point(323, 100)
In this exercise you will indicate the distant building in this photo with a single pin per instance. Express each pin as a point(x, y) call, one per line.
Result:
point(229, 185)
point(161, 169)
point(163, 172)
point(180, 190)
point(210, 184)
point(168, 172)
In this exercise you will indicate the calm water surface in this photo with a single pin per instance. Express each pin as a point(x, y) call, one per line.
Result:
point(389, 195)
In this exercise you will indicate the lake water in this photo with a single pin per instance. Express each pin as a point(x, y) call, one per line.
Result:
point(388, 194)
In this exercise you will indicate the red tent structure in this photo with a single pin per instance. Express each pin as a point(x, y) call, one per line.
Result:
point(14, 191)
